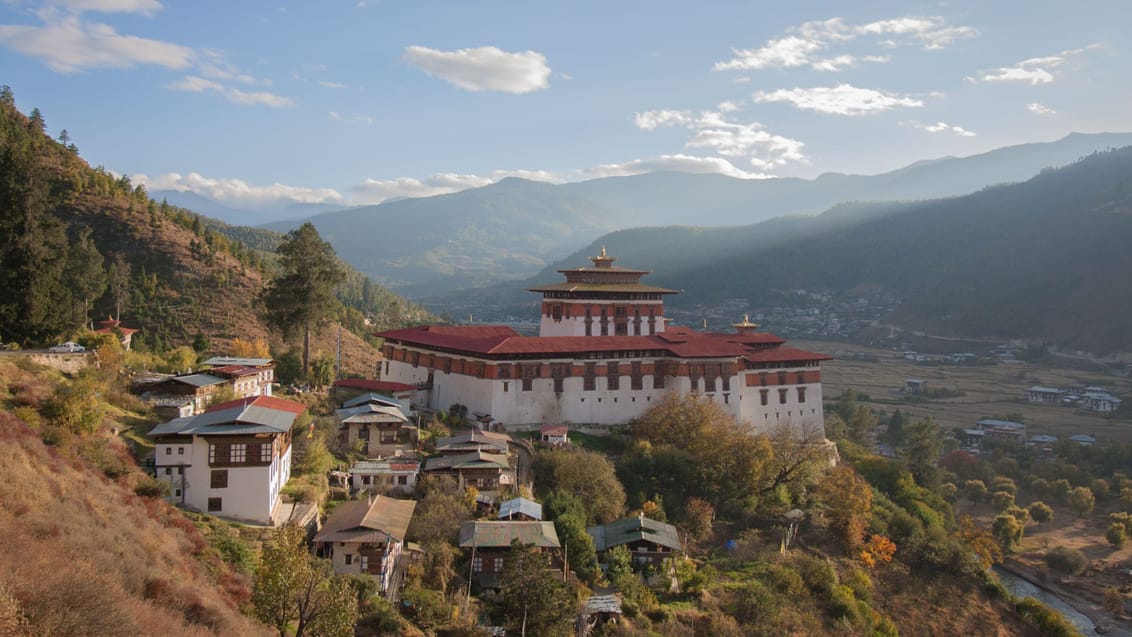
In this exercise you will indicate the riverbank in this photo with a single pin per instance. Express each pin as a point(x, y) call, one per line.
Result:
point(1072, 596)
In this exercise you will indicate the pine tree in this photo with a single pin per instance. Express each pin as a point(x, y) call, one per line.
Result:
point(302, 296)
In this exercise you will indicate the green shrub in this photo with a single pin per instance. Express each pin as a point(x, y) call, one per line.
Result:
point(1049, 622)
point(1066, 560)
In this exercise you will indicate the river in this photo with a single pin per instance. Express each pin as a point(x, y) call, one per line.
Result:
point(1021, 588)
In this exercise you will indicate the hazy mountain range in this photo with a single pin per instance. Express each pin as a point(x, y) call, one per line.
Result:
point(514, 228)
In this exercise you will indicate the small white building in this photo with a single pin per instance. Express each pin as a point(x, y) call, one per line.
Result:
point(1046, 395)
point(554, 435)
point(366, 537)
point(250, 376)
point(232, 460)
point(1100, 402)
point(390, 474)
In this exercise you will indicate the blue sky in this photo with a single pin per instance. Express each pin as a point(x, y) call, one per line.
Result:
point(257, 103)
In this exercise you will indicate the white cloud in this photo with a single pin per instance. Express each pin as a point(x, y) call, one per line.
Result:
point(1035, 71)
point(728, 106)
point(326, 84)
point(1040, 109)
point(713, 131)
point(676, 163)
point(67, 45)
point(236, 191)
point(939, 127)
point(196, 84)
point(807, 44)
point(146, 7)
point(359, 119)
point(843, 99)
point(483, 69)
point(373, 191)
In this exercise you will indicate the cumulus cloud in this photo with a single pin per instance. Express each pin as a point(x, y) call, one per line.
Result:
point(808, 44)
point(486, 68)
point(357, 119)
point(1039, 70)
point(1040, 109)
point(843, 99)
point(713, 131)
point(197, 84)
point(939, 127)
point(68, 45)
point(236, 191)
point(728, 106)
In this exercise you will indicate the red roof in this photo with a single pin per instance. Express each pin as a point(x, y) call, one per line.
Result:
point(265, 402)
point(234, 370)
point(373, 385)
point(554, 430)
point(677, 341)
point(785, 355)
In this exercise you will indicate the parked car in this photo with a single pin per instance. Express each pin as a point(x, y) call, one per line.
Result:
point(67, 348)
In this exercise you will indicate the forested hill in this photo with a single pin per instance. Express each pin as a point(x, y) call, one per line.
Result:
point(1045, 259)
point(81, 243)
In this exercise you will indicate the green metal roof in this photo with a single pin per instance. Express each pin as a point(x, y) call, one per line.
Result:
point(502, 534)
point(635, 529)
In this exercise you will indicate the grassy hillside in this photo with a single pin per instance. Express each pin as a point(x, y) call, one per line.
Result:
point(86, 554)
point(182, 275)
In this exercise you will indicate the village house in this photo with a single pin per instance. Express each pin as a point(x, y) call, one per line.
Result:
point(397, 474)
point(233, 367)
point(554, 435)
point(113, 326)
point(1002, 430)
point(650, 541)
point(475, 440)
point(401, 393)
point(196, 389)
point(605, 354)
point(1100, 402)
point(366, 537)
point(480, 469)
point(373, 422)
point(1044, 395)
point(488, 543)
point(232, 460)
point(520, 509)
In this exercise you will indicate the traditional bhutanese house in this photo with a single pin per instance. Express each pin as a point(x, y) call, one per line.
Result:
point(113, 326)
point(391, 474)
point(604, 355)
point(232, 460)
point(915, 385)
point(520, 509)
point(246, 380)
point(403, 394)
point(1100, 402)
point(1003, 430)
point(482, 470)
point(475, 440)
point(1085, 440)
point(197, 388)
point(365, 537)
point(487, 544)
point(374, 425)
point(554, 435)
point(1046, 395)
point(1042, 442)
point(264, 368)
point(371, 398)
point(650, 541)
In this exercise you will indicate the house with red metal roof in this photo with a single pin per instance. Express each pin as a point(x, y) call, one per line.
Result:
point(604, 355)
point(232, 460)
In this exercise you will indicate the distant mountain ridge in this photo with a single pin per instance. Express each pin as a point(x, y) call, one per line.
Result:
point(514, 228)
point(240, 216)
point(1045, 259)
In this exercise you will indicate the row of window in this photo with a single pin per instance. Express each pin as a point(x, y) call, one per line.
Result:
point(238, 453)
point(764, 395)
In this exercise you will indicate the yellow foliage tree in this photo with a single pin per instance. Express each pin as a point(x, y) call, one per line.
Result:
point(250, 349)
point(849, 501)
point(879, 549)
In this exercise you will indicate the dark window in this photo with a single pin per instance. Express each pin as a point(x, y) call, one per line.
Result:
point(801, 378)
point(556, 311)
point(763, 395)
point(621, 329)
point(612, 380)
point(168, 471)
point(363, 433)
point(180, 451)
point(636, 381)
point(218, 479)
point(365, 480)
point(762, 378)
point(505, 384)
point(403, 480)
point(709, 384)
point(801, 394)
point(349, 559)
point(782, 396)
point(215, 504)
point(781, 378)
point(726, 383)
point(505, 371)
point(658, 371)
point(589, 378)
point(169, 451)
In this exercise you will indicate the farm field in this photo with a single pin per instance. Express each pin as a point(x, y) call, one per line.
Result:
point(989, 391)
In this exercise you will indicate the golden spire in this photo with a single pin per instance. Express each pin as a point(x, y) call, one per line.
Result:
point(746, 325)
